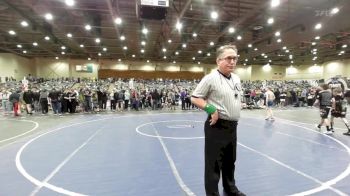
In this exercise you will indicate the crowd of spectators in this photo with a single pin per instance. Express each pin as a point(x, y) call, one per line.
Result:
point(73, 95)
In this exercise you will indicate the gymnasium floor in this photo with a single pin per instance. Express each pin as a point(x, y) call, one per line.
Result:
point(161, 154)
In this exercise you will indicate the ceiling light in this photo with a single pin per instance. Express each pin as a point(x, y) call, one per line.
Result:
point(318, 26)
point(145, 31)
point(178, 25)
point(57, 58)
point(81, 46)
point(119, 60)
point(317, 37)
point(169, 41)
point(239, 37)
point(122, 37)
point(290, 56)
point(125, 48)
point(199, 63)
point(48, 16)
point(104, 49)
point(99, 54)
point(19, 46)
point(193, 58)
point(89, 59)
point(194, 34)
point(87, 27)
point(211, 43)
point(279, 40)
point(11, 32)
point(334, 10)
point(97, 40)
point(250, 45)
point(277, 34)
point(24, 51)
point(63, 53)
point(214, 15)
point(270, 61)
point(143, 43)
point(142, 51)
point(275, 3)
point(342, 52)
point(246, 60)
point(284, 47)
point(313, 43)
point(69, 35)
point(344, 46)
point(164, 57)
point(118, 21)
point(287, 51)
point(184, 45)
point(164, 50)
point(270, 21)
point(208, 54)
point(63, 47)
point(24, 24)
point(174, 62)
point(199, 52)
point(35, 44)
point(231, 30)
point(292, 62)
point(70, 2)
point(176, 53)
point(147, 61)
point(133, 56)
point(47, 38)
point(256, 49)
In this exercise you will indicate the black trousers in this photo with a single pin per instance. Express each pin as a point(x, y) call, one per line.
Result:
point(220, 156)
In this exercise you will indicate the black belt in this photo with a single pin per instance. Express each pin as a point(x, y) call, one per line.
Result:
point(224, 122)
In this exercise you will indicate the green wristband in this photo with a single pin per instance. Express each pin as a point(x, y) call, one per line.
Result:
point(210, 109)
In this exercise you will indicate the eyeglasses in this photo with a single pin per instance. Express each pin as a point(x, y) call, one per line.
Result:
point(230, 58)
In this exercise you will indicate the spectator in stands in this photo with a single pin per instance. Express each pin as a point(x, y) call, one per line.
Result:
point(120, 100)
point(28, 100)
point(5, 104)
point(283, 97)
point(88, 100)
point(54, 96)
point(126, 99)
point(43, 101)
point(183, 96)
point(112, 101)
point(14, 98)
point(36, 100)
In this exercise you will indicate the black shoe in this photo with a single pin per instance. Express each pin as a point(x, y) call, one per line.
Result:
point(236, 193)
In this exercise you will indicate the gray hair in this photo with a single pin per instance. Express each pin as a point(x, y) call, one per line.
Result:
point(223, 48)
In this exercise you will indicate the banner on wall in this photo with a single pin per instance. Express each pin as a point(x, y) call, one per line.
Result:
point(88, 68)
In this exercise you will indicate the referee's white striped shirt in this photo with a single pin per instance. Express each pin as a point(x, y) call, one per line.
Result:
point(223, 92)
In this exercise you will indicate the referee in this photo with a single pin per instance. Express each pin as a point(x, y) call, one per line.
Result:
point(219, 95)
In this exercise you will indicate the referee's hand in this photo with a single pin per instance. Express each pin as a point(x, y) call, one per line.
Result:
point(214, 118)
